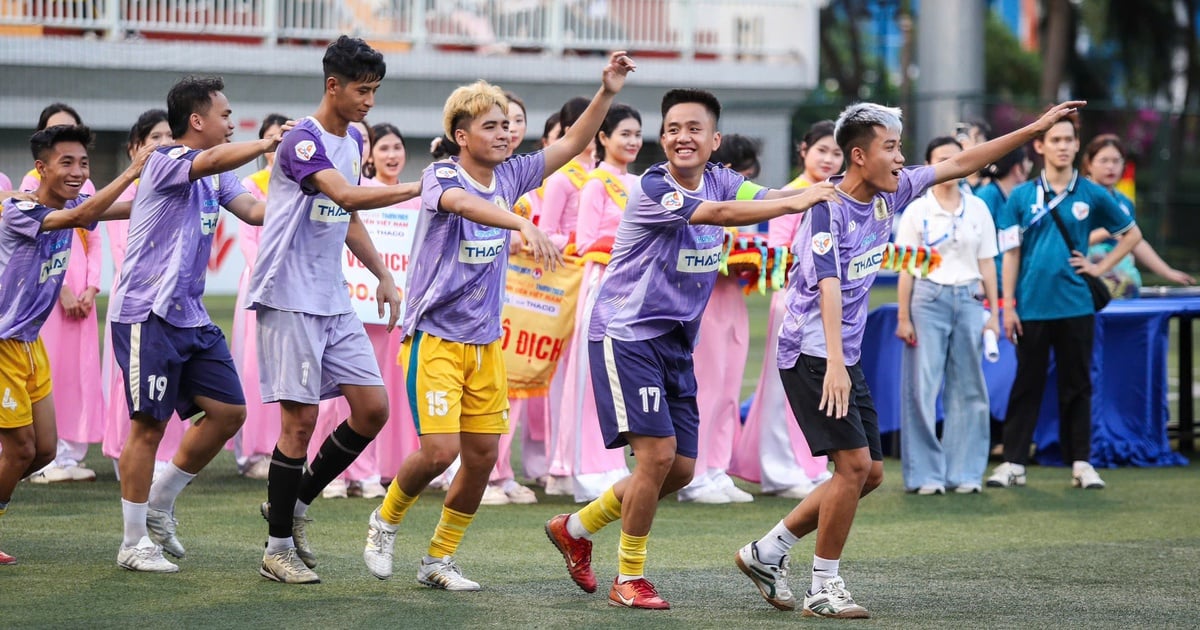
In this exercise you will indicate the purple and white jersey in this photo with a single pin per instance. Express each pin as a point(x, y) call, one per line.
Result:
point(171, 230)
point(299, 264)
point(32, 264)
point(663, 268)
point(842, 239)
point(456, 282)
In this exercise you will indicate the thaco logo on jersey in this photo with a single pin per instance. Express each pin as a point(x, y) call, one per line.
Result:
point(698, 260)
point(208, 222)
point(55, 266)
point(480, 252)
point(866, 264)
point(325, 211)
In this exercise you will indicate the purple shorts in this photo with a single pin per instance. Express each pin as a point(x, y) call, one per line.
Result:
point(167, 367)
point(646, 388)
point(307, 358)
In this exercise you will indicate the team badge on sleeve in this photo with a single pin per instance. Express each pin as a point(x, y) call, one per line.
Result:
point(305, 149)
point(672, 200)
point(176, 152)
point(822, 242)
point(446, 172)
point(26, 205)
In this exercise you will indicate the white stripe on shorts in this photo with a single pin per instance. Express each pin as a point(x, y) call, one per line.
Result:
point(614, 383)
point(135, 366)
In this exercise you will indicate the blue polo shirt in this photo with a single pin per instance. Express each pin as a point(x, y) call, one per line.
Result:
point(995, 199)
point(1047, 286)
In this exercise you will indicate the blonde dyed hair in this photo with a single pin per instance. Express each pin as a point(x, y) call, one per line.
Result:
point(468, 102)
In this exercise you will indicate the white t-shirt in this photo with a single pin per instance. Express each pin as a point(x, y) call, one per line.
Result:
point(962, 236)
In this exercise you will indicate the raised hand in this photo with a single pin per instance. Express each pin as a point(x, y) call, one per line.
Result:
point(1057, 113)
point(619, 66)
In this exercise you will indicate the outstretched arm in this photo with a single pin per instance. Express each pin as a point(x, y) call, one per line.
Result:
point(472, 208)
point(226, 157)
point(353, 198)
point(91, 210)
point(737, 213)
point(979, 156)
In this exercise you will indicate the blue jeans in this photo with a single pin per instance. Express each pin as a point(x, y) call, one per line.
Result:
point(949, 325)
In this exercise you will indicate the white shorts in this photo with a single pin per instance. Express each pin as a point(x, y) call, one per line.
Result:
point(307, 358)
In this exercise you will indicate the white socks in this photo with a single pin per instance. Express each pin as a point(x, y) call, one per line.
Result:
point(823, 570)
point(275, 545)
point(170, 483)
point(575, 527)
point(134, 515)
point(777, 543)
point(300, 510)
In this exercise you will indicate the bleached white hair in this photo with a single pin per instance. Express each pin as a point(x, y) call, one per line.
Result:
point(860, 117)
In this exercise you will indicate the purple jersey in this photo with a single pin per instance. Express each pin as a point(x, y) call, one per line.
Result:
point(842, 239)
point(299, 264)
point(456, 283)
point(32, 264)
point(663, 268)
point(171, 230)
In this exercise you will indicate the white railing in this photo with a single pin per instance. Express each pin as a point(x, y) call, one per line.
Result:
point(729, 29)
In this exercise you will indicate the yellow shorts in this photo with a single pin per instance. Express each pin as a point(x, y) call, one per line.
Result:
point(25, 379)
point(455, 387)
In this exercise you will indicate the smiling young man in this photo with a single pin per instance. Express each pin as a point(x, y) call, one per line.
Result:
point(456, 379)
point(839, 249)
point(311, 345)
point(644, 326)
point(35, 245)
point(1054, 307)
point(172, 355)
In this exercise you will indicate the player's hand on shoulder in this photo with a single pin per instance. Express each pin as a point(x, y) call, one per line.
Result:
point(620, 64)
point(813, 195)
point(140, 158)
point(275, 137)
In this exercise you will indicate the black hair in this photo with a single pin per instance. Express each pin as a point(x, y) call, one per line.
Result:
point(1002, 167)
point(701, 97)
point(818, 131)
point(55, 108)
point(191, 95)
point(553, 120)
point(570, 112)
point(616, 114)
point(42, 141)
point(270, 120)
point(385, 129)
point(739, 153)
point(351, 59)
point(937, 142)
point(144, 125)
point(443, 148)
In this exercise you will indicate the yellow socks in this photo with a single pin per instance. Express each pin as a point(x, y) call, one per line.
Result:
point(395, 504)
point(449, 533)
point(601, 512)
point(631, 555)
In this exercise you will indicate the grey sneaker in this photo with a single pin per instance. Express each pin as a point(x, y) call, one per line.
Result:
point(833, 600)
point(380, 541)
point(145, 557)
point(444, 574)
point(161, 527)
point(771, 579)
point(299, 535)
point(287, 567)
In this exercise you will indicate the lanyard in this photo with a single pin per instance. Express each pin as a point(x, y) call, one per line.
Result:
point(1042, 208)
point(952, 232)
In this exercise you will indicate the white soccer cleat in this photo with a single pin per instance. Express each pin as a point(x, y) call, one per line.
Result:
point(287, 567)
point(381, 540)
point(145, 557)
point(161, 526)
point(1085, 476)
point(833, 600)
point(444, 574)
point(770, 579)
point(1007, 475)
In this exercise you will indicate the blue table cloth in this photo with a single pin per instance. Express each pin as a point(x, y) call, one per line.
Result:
point(1129, 382)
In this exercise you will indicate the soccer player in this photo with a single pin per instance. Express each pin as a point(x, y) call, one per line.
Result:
point(456, 379)
point(173, 357)
point(35, 245)
point(839, 249)
point(311, 345)
point(644, 327)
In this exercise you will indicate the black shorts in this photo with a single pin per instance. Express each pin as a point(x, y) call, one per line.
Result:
point(803, 383)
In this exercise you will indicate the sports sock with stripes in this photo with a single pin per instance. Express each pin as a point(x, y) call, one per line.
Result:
point(283, 483)
point(631, 557)
point(449, 533)
point(595, 515)
point(338, 451)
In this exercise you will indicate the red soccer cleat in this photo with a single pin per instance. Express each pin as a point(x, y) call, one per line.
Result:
point(6, 559)
point(639, 593)
point(576, 551)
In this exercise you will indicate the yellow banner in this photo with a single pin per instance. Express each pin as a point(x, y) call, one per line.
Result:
point(539, 319)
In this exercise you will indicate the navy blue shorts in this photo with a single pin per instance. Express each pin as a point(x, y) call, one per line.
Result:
point(646, 388)
point(167, 367)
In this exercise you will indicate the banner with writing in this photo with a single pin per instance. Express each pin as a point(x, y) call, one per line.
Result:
point(392, 232)
point(539, 319)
